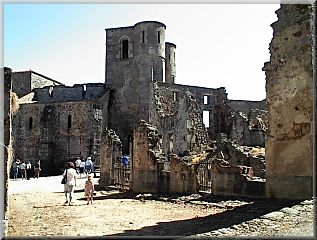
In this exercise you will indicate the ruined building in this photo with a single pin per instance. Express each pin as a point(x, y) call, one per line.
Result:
point(139, 111)
point(289, 86)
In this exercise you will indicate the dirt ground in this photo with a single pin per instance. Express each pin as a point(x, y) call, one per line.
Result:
point(36, 208)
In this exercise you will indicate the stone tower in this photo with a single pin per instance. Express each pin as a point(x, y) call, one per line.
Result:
point(135, 57)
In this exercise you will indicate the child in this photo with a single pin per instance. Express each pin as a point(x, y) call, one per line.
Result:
point(89, 190)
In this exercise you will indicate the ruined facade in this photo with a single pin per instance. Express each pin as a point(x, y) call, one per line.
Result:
point(289, 86)
point(140, 112)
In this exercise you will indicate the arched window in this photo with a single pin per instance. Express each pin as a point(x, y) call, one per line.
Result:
point(69, 122)
point(125, 49)
point(30, 123)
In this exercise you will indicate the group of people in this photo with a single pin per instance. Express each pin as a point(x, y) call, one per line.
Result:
point(85, 167)
point(24, 169)
point(70, 173)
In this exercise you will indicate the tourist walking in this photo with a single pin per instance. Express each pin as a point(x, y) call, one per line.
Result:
point(23, 170)
point(37, 169)
point(88, 165)
point(89, 189)
point(71, 177)
point(28, 170)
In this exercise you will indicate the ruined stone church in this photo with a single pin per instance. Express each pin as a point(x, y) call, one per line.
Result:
point(57, 123)
point(141, 111)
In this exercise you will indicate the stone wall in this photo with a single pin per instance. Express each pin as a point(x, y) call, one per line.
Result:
point(146, 153)
point(63, 93)
point(246, 106)
point(111, 149)
point(216, 103)
point(6, 148)
point(289, 86)
point(248, 129)
point(183, 177)
point(235, 180)
point(57, 132)
point(24, 82)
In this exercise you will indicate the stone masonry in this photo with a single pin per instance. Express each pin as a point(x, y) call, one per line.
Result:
point(289, 86)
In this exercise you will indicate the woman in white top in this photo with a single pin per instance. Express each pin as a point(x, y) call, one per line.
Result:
point(70, 181)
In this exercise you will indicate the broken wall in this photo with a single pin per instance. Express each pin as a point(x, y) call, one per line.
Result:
point(57, 132)
point(289, 87)
point(111, 149)
point(183, 178)
point(248, 128)
point(24, 82)
point(146, 153)
point(235, 180)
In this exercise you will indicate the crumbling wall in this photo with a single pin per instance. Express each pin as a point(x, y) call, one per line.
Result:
point(207, 99)
point(61, 93)
point(235, 180)
point(183, 178)
point(246, 106)
point(57, 132)
point(111, 148)
point(236, 154)
point(24, 82)
point(6, 148)
point(248, 129)
point(289, 87)
point(179, 116)
point(146, 153)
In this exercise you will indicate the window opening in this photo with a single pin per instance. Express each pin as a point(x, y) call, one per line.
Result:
point(125, 48)
point(30, 123)
point(175, 96)
point(158, 36)
point(170, 144)
point(143, 40)
point(206, 118)
point(69, 122)
point(205, 99)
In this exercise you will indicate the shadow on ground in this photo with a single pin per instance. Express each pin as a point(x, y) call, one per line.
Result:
point(209, 223)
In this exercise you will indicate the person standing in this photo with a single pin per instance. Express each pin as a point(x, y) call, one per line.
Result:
point(23, 170)
point(89, 189)
point(37, 169)
point(77, 164)
point(81, 167)
point(15, 168)
point(28, 170)
point(71, 177)
point(88, 165)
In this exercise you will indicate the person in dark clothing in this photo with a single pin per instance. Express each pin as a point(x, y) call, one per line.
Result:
point(37, 169)
point(28, 169)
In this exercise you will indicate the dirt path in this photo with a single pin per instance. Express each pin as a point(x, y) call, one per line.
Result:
point(36, 208)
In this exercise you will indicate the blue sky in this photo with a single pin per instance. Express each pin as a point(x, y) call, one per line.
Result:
point(218, 45)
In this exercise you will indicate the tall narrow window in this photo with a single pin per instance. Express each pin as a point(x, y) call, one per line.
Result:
point(206, 118)
point(158, 36)
point(143, 40)
point(30, 123)
point(174, 57)
point(170, 142)
point(125, 48)
point(175, 96)
point(69, 122)
point(205, 99)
